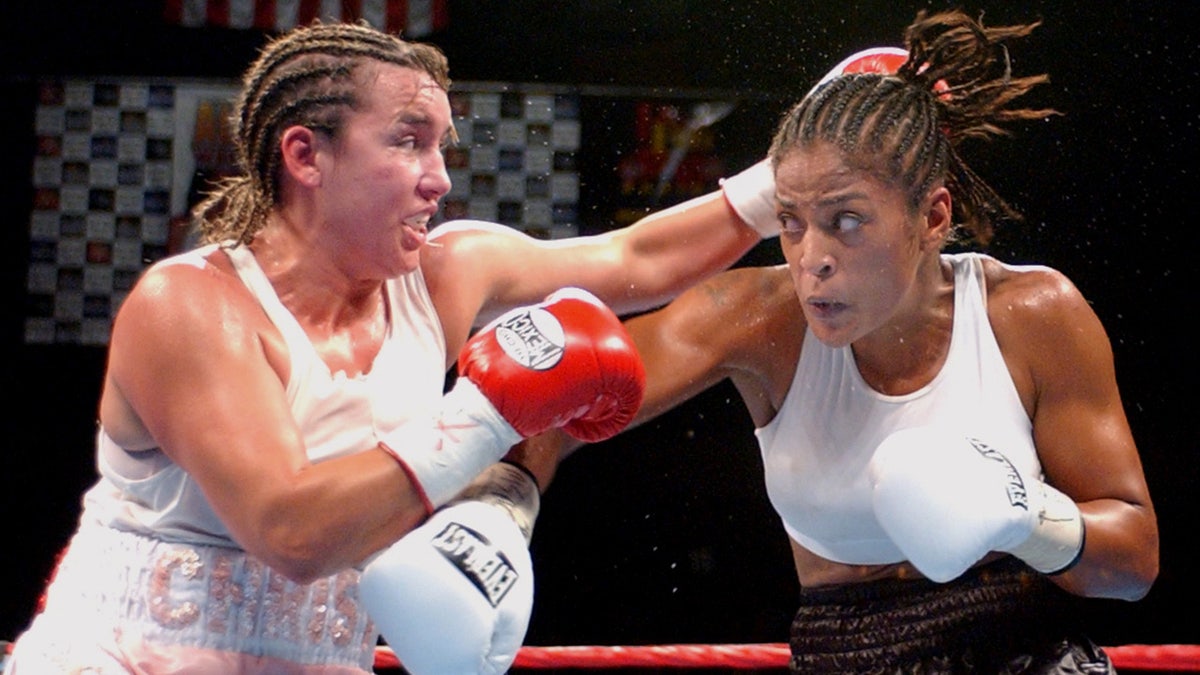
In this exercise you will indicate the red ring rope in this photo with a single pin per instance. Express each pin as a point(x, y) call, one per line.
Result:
point(1174, 658)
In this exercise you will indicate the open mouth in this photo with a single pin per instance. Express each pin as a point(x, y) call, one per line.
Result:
point(825, 308)
point(414, 232)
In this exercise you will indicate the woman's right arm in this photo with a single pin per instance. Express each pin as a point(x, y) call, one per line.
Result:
point(738, 325)
point(198, 364)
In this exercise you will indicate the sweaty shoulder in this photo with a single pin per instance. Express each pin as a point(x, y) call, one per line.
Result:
point(739, 325)
point(1036, 313)
point(756, 322)
point(186, 315)
point(1028, 293)
point(456, 264)
point(759, 305)
point(190, 301)
point(187, 283)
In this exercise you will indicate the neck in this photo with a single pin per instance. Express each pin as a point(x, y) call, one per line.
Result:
point(907, 352)
point(309, 280)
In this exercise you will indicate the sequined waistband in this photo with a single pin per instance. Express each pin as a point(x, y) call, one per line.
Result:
point(212, 598)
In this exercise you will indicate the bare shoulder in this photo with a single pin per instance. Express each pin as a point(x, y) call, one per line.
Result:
point(754, 322)
point(186, 325)
point(754, 302)
point(1047, 331)
point(199, 304)
point(454, 264)
point(1031, 297)
point(174, 289)
point(734, 325)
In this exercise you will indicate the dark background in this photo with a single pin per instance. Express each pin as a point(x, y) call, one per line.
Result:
point(664, 535)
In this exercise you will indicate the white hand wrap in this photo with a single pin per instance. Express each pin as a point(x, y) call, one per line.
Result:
point(455, 595)
point(443, 455)
point(1057, 540)
point(947, 500)
point(751, 194)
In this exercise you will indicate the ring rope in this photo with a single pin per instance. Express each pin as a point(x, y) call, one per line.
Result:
point(1173, 658)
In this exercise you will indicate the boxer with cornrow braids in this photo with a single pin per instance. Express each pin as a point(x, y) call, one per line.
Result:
point(916, 119)
point(282, 476)
point(305, 78)
point(942, 434)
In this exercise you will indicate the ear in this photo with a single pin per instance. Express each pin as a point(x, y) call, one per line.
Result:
point(298, 150)
point(938, 215)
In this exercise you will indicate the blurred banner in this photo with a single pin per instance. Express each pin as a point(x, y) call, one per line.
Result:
point(411, 18)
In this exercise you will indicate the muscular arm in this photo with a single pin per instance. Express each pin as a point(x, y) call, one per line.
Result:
point(476, 271)
point(1083, 438)
point(191, 364)
point(743, 324)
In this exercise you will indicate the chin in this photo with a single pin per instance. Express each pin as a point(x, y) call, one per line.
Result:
point(832, 337)
point(409, 262)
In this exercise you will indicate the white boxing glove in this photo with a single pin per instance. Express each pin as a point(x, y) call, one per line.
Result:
point(455, 595)
point(947, 500)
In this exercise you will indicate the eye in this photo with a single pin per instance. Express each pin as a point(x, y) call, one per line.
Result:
point(790, 224)
point(847, 222)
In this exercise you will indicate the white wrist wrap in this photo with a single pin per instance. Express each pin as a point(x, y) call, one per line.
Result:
point(443, 455)
point(751, 193)
point(1057, 539)
point(509, 488)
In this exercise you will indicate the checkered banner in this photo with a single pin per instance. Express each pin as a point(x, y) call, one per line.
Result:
point(116, 162)
point(412, 18)
point(516, 160)
point(102, 179)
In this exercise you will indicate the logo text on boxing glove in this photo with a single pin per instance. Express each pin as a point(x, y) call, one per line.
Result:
point(1018, 494)
point(485, 566)
point(532, 338)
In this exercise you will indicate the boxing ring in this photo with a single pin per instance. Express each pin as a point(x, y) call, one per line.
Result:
point(1171, 658)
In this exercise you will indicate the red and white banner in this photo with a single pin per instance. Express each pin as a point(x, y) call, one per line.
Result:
point(410, 18)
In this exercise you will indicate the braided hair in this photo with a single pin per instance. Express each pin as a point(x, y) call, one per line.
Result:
point(906, 128)
point(309, 77)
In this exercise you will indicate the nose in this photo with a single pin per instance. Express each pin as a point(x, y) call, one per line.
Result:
point(435, 181)
point(816, 258)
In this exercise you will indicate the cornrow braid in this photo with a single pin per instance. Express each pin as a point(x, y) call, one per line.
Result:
point(309, 77)
point(907, 129)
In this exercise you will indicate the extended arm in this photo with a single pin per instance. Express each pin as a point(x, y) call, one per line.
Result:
point(743, 324)
point(477, 270)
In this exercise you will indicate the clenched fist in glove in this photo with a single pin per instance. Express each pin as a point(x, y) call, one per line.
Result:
point(455, 595)
point(566, 362)
point(947, 500)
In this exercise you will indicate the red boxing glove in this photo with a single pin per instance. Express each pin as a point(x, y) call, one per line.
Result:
point(567, 362)
point(883, 60)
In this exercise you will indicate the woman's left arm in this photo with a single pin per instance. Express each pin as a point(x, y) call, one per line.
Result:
point(634, 268)
point(1062, 359)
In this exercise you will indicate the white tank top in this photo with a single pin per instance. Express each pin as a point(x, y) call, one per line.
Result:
point(816, 449)
point(146, 493)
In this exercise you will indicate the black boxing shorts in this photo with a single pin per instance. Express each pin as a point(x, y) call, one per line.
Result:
point(1002, 618)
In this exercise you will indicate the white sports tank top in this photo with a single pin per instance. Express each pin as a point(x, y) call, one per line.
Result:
point(145, 492)
point(816, 449)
